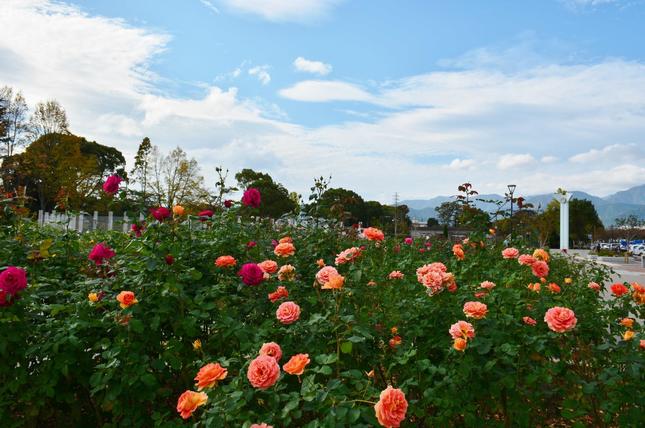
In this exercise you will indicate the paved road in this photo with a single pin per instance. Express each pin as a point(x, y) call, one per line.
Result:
point(630, 272)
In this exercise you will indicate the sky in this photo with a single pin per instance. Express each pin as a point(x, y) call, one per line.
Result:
point(406, 96)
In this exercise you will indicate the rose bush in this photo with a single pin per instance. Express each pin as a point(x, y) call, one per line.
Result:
point(341, 330)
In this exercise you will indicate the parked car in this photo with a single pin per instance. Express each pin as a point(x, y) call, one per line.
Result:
point(638, 249)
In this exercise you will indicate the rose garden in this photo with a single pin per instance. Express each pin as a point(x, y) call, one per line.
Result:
point(222, 318)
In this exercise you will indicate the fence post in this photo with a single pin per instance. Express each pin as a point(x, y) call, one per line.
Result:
point(95, 220)
point(40, 217)
point(126, 220)
point(110, 220)
point(71, 222)
point(80, 223)
point(45, 218)
point(141, 217)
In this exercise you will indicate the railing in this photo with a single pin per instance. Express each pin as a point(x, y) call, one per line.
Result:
point(83, 221)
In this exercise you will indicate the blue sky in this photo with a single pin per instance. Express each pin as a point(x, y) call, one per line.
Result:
point(407, 96)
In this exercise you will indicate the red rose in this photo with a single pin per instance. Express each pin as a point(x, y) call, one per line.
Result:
point(111, 185)
point(160, 213)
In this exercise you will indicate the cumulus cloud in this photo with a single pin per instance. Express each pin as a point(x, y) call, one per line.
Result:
point(461, 164)
point(261, 72)
point(315, 67)
point(613, 152)
point(513, 161)
point(283, 10)
point(325, 91)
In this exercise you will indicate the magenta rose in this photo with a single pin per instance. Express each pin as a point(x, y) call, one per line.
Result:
point(100, 253)
point(228, 203)
point(251, 197)
point(13, 280)
point(111, 185)
point(160, 213)
point(251, 274)
point(204, 214)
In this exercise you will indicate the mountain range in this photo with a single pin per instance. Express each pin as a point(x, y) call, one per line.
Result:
point(619, 204)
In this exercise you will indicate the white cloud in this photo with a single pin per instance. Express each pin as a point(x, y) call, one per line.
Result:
point(514, 161)
point(315, 67)
point(613, 152)
point(325, 91)
point(461, 164)
point(284, 10)
point(261, 72)
point(209, 5)
point(549, 159)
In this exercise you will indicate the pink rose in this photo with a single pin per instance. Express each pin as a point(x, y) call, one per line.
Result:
point(13, 280)
point(462, 329)
point(262, 425)
point(560, 319)
point(510, 253)
point(408, 241)
point(529, 321)
point(100, 253)
point(251, 274)
point(271, 349)
point(540, 269)
point(160, 213)
point(111, 185)
point(263, 372)
point(526, 260)
point(476, 310)
point(251, 198)
point(594, 286)
point(288, 313)
point(323, 275)
point(391, 407)
point(395, 274)
point(268, 266)
point(487, 285)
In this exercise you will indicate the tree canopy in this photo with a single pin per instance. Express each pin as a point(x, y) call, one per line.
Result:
point(275, 197)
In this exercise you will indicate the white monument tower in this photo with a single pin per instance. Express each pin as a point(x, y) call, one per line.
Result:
point(564, 197)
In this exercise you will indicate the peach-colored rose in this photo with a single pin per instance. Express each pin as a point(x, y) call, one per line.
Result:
point(476, 310)
point(288, 313)
point(271, 349)
point(225, 261)
point(554, 288)
point(639, 293)
point(568, 281)
point(197, 344)
point(93, 297)
point(510, 253)
point(391, 407)
point(263, 372)
point(459, 344)
point(208, 375)
point(335, 282)
point(458, 251)
point(178, 210)
point(126, 299)
point(534, 287)
point(287, 273)
point(395, 274)
point(529, 321)
point(594, 286)
point(526, 260)
point(296, 364)
point(371, 283)
point(262, 425)
point(373, 234)
point(268, 266)
point(642, 344)
point(627, 322)
point(347, 255)
point(487, 285)
point(540, 269)
point(320, 263)
point(541, 254)
point(322, 276)
point(286, 240)
point(284, 249)
point(462, 329)
point(189, 401)
point(628, 335)
point(395, 341)
point(560, 319)
point(280, 293)
point(481, 294)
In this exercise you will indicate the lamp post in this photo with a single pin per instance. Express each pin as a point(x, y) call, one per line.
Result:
point(511, 190)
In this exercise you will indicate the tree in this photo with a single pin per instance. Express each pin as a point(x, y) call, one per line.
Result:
point(583, 221)
point(342, 205)
point(176, 179)
point(49, 117)
point(432, 222)
point(13, 121)
point(275, 197)
point(449, 212)
point(64, 166)
point(141, 170)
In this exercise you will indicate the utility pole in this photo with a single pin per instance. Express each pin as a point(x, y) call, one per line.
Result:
point(396, 206)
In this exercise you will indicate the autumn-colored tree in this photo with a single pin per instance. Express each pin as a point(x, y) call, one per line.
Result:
point(176, 179)
point(49, 117)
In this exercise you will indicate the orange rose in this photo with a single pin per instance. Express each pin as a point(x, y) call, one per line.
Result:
point(540, 269)
point(460, 344)
point(225, 261)
point(476, 310)
point(619, 289)
point(286, 239)
point(208, 376)
point(627, 322)
point(541, 254)
point(458, 251)
point(628, 335)
point(554, 288)
point(189, 401)
point(534, 287)
point(126, 299)
point(391, 407)
point(568, 280)
point(395, 341)
point(320, 263)
point(268, 266)
point(271, 349)
point(197, 344)
point(93, 297)
point(373, 234)
point(284, 249)
point(278, 294)
point(335, 282)
point(639, 293)
point(560, 319)
point(296, 364)
point(178, 210)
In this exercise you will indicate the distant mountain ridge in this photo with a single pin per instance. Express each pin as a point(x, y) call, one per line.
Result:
point(619, 204)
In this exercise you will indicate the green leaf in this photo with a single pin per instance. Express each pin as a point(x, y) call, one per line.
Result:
point(346, 347)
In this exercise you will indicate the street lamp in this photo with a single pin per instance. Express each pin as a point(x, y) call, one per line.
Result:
point(511, 190)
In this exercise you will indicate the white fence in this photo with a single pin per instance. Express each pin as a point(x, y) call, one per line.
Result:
point(83, 221)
